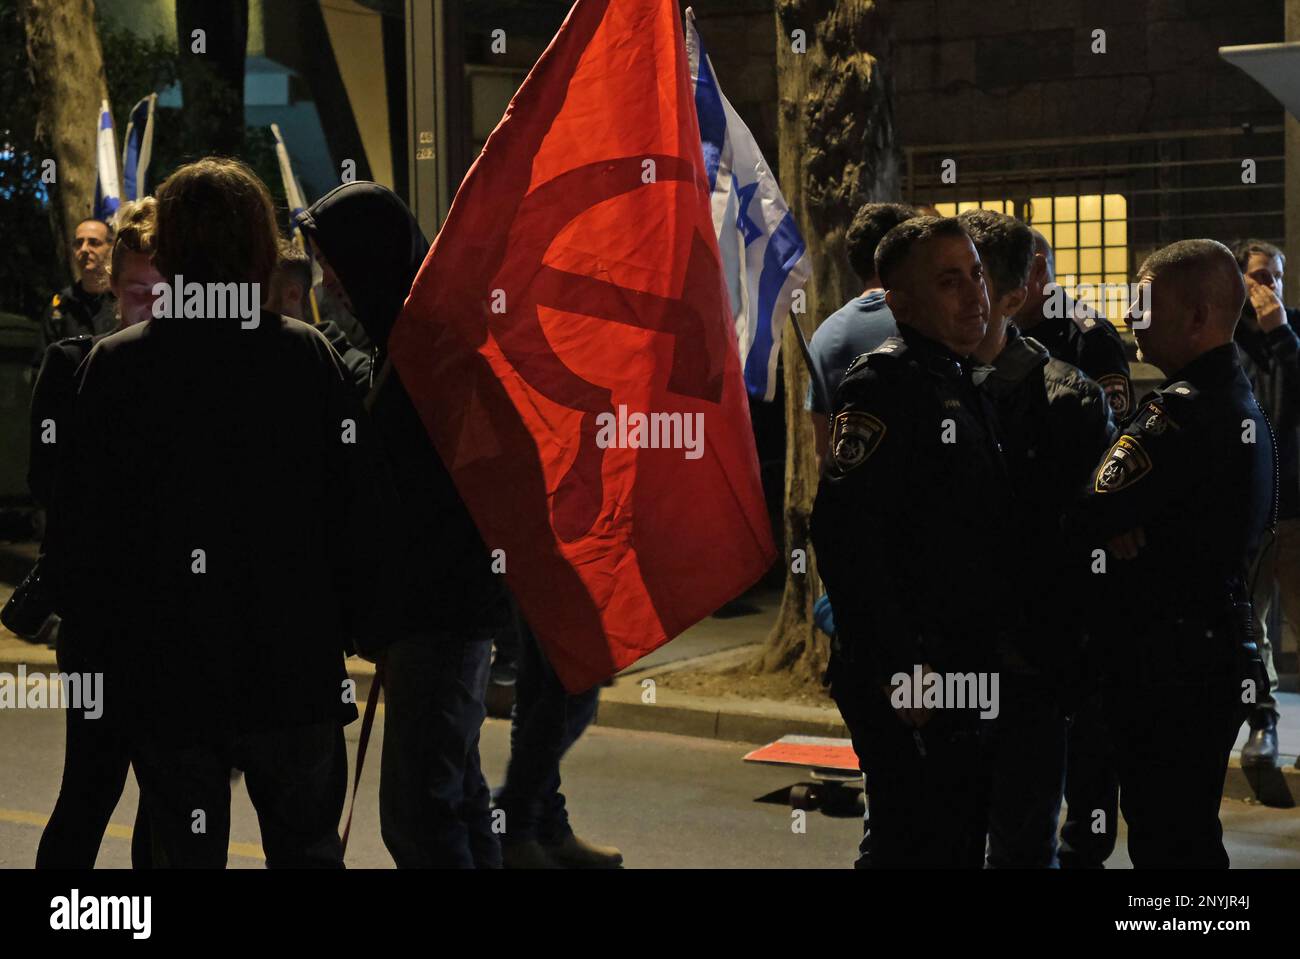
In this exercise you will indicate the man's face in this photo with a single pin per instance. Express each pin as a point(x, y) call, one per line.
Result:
point(133, 284)
point(330, 279)
point(1267, 271)
point(90, 247)
point(1161, 332)
point(944, 295)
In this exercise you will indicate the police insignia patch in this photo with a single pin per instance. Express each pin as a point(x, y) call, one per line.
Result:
point(1125, 464)
point(1155, 420)
point(1116, 388)
point(854, 438)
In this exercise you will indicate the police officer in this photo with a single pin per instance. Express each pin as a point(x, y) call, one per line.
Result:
point(1055, 424)
point(1075, 334)
point(1181, 503)
point(913, 502)
point(86, 307)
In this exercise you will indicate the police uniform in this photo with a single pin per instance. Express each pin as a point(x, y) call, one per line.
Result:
point(1056, 423)
point(913, 503)
point(1194, 469)
point(75, 312)
point(1089, 341)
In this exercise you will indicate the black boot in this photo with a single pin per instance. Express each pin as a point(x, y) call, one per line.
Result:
point(1261, 747)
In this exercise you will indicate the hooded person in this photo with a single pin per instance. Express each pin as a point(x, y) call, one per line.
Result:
point(434, 802)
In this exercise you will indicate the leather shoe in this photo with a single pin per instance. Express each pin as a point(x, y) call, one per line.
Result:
point(527, 854)
point(575, 853)
point(1261, 747)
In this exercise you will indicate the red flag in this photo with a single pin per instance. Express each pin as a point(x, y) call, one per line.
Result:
point(574, 288)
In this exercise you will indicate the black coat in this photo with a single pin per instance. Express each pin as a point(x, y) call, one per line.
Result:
point(249, 445)
point(445, 584)
point(910, 517)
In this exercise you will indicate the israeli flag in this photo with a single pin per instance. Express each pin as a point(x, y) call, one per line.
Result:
point(108, 191)
point(137, 149)
point(764, 258)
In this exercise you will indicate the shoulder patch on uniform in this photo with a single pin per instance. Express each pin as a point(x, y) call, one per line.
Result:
point(1125, 464)
point(1118, 392)
point(1154, 419)
point(854, 437)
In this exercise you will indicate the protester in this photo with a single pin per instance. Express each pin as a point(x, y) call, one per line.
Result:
point(860, 325)
point(434, 801)
point(915, 502)
point(96, 751)
point(1269, 351)
point(1054, 424)
point(289, 294)
point(215, 518)
point(545, 722)
point(1181, 503)
point(87, 306)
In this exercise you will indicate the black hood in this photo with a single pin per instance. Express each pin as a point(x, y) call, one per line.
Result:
point(374, 245)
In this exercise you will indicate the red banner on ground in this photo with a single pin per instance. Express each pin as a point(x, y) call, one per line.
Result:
point(569, 347)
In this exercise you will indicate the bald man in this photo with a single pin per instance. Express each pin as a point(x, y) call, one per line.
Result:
point(1172, 520)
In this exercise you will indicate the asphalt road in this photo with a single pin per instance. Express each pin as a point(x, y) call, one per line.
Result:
point(666, 801)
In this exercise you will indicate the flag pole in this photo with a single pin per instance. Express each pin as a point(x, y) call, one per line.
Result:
point(819, 388)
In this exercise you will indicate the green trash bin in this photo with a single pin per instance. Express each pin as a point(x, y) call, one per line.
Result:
point(18, 339)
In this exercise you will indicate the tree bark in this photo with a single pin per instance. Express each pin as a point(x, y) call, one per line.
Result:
point(837, 152)
point(67, 71)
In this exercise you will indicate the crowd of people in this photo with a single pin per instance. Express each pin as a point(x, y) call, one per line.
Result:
point(995, 503)
point(236, 505)
point(233, 509)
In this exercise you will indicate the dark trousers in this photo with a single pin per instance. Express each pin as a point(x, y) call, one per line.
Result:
point(1091, 789)
point(296, 779)
point(96, 759)
point(434, 805)
point(545, 722)
point(1028, 776)
point(928, 809)
point(1171, 777)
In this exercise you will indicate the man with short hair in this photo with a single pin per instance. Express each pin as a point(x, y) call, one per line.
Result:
point(860, 325)
point(1055, 423)
point(1270, 355)
point(87, 306)
point(1181, 502)
point(915, 502)
point(1079, 336)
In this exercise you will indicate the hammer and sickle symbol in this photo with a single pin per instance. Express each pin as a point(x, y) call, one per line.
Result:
point(700, 340)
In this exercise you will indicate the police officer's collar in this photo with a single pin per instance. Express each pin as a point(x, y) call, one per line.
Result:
point(1211, 368)
point(1020, 357)
point(932, 354)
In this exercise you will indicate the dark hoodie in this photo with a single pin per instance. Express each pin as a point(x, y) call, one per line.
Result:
point(375, 247)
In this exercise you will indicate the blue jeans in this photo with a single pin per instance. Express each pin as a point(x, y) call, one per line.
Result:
point(433, 801)
point(545, 722)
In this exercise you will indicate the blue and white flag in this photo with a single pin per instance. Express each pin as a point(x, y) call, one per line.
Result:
point(108, 190)
point(764, 259)
point(137, 149)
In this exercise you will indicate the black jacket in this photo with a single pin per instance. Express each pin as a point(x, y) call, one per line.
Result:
point(1194, 469)
point(52, 399)
point(375, 246)
point(1271, 362)
point(1056, 423)
point(910, 517)
point(74, 312)
point(1089, 341)
point(250, 446)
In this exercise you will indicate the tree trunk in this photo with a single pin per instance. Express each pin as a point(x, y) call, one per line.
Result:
point(212, 78)
point(836, 152)
point(67, 71)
